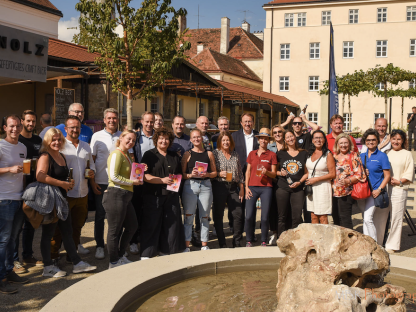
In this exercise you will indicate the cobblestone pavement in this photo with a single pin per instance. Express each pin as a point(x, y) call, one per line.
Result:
point(34, 295)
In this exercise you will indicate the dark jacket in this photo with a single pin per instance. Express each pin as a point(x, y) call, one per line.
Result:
point(137, 149)
point(240, 147)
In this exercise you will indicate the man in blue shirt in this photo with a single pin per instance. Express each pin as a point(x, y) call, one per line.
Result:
point(76, 109)
point(181, 143)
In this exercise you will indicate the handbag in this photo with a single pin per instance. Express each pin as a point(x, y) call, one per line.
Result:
point(382, 200)
point(361, 190)
point(308, 188)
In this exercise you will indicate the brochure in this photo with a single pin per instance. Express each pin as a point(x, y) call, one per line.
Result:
point(201, 167)
point(137, 172)
point(174, 187)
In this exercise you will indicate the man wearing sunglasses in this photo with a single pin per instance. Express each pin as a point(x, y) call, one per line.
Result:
point(304, 139)
point(76, 109)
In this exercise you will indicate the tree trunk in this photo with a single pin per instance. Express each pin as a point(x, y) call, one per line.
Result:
point(385, 101)
point(402, 126)
point(129, 110)
point(349, 112)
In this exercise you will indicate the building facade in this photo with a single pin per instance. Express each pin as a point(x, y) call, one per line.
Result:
point(366, 33)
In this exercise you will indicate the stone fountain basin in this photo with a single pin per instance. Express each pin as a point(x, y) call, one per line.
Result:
point(116, 289)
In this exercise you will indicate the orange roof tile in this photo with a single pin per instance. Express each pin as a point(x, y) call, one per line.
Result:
point(276, 98)
point(243, 45)
point(44, 5)
point(69, 51)
point(211, 61)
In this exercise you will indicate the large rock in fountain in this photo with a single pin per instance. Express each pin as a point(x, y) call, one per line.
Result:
point(328, 268)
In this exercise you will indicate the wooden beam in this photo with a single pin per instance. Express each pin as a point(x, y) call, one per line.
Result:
point(66, 77)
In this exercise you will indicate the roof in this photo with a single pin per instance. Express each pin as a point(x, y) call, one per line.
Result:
point(43, 5)
point(275, 98)
point(285, 2)
point(70, 52)
point(211, 61)
point(243, 45)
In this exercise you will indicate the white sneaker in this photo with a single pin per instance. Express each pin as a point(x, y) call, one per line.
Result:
point(272, 240)
point(53, 271)
point(120, 262)
point(204, 248)
point(99, 253)
point(214, 232)
point(144, 258)
point(126, 254)
point(82, 250)
point(83, 267)
point(134, 249)
point(125, 260)
point(187, 249)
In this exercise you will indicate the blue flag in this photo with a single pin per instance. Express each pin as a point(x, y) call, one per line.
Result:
point(333, 103)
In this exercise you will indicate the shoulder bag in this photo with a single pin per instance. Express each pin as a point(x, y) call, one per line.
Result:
point(308, 188)
point(382, 200)
point(361, 190)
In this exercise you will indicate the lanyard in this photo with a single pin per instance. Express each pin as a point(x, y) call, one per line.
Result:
point(128, 159)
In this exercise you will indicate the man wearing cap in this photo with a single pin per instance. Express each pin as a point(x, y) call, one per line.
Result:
point(411, 120)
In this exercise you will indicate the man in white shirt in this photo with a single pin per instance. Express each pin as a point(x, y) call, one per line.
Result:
point(46, 124)
point(102, 144)
point(12, 154)
point(381, 127)
point(77, 154)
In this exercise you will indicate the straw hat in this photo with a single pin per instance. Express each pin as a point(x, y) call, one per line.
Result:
point(264, 132)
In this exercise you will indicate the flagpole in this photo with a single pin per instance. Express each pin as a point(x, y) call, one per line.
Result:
point(329, 78)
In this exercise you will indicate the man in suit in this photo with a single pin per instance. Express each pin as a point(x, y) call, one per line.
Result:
point(411, 120)
point(245, 141)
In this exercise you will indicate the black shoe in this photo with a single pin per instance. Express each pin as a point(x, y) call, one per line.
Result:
point(68, 260)
point(223, 246)
point(12, 277)
point(55, 262)
point(6, 287)
point(196, 241)
point(236, 244)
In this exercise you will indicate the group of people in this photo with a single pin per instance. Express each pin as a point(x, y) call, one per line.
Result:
point(294, 173)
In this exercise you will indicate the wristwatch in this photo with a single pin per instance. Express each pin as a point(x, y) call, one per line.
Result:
point(401, 183)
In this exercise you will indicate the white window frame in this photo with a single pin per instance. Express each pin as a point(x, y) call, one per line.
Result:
point(412, 84)
point(347, 123)
point(380, 86)
point(154, 101)
point(302, 19)
point(286, 83)
point(313, 117)
point(412, 52)
point(314, 50)
point(380, 46)
point(285, 47)
point(381, 15)
point(349, 45)
point(378, 115)
point(313, 83)
point(326, 17)
point(353, 16)
point(411, 13)
point(289, 18)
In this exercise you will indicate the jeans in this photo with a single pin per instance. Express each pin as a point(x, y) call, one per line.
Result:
point(374, 219)
point(344, 205)
point(137, 202)
point(265, 194)
point(28, 233)
point(11, 221)
point(289, 205)
point(99, 217)
point(120, 214)
point(197, 192)
point(227, 194)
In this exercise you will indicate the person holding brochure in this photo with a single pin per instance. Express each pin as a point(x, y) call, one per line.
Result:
point(197, 189)
point(161, 224)
point(117, 200)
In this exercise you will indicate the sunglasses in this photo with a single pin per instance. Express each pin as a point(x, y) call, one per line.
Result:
point(276, 132)
point(297, 123)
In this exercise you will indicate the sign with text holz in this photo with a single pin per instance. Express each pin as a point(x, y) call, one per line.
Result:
point(63, 98)
point(23, 55)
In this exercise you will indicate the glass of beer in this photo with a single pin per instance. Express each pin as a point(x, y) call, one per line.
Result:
point(34, 164)
point(259, 170)
point(26, 166)
point(229, 175)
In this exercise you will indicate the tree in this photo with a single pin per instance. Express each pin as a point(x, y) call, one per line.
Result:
point(145, 55)
point(409, 93)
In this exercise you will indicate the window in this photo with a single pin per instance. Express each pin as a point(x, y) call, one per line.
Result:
point(347, 122)
point(179, 108)
point(154, 105)
point(377, 116)
point(348, 49)
point(412, 84)
point(313, 83)
point(326, 17)
point(380, 86)
point(284, 83)
point(381, 48)
point(285, 51)
point(411, 13)
point(412, 47)
point(353, 17)
point(301, 19)
point(314, 51)
point(313, 117)
point(201, 109)
point(289, 20)
point(382, 15)
point(199, 48)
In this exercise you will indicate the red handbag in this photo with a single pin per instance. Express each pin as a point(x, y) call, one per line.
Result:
point(361, 190)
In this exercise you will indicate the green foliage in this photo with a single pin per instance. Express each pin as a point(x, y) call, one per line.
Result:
point(143, 57)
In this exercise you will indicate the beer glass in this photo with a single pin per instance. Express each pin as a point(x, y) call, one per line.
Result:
point(229, 175)
point(34, 164)
point(259, 170)
point(26, 166)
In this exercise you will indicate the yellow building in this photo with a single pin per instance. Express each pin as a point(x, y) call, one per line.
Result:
point(366, 33)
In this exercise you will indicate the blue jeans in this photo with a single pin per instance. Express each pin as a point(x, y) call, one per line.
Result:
point(265, 194)
point(11, 221)
point(197, 192)
point(99, 217)
point(28, 233)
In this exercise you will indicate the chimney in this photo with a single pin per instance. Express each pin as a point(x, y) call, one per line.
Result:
point(246, 26)
point(225, 35)
point(259, 34)
point(182, 24)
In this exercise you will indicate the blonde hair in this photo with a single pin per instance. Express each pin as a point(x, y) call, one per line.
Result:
point(343, 136)
point(281, 128)
point(123, 134)
point(47, 139)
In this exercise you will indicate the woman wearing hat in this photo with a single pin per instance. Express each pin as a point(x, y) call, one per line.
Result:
point(261, 169)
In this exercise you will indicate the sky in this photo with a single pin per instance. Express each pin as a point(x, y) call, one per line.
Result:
point(210, 11)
